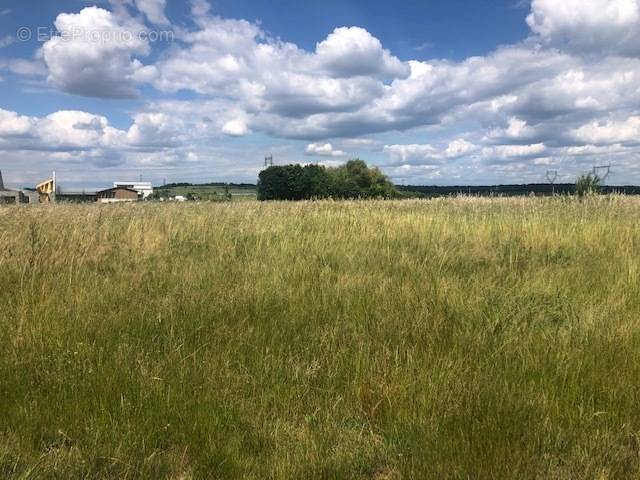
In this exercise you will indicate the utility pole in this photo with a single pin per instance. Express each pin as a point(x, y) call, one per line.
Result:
point(55, 187)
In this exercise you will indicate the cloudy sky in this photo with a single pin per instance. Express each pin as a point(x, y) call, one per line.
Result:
point(431, 91)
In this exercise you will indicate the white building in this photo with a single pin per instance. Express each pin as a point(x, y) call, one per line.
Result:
point(145, 189)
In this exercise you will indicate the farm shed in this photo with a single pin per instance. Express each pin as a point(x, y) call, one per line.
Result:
point(117, 194)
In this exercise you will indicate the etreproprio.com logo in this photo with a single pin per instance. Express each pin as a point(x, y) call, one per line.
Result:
point(104, 36)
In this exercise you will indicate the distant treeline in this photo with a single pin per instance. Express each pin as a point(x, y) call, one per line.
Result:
point(297, 182)
point(212, 184)
point(541, 189)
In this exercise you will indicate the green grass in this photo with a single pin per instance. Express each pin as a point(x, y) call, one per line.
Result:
point(206, 192)
point(455, 338)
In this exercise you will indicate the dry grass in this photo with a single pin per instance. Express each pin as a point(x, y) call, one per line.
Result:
point(460, 338)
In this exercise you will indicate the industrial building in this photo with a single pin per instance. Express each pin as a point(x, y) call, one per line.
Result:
point(48, 191)
point(117, 194)
point(10, 196)
point(144, 189)
point(76, 197)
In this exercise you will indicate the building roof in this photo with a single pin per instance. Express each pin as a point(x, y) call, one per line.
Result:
point(137, 184)
point(116, 188)
point(6, 192)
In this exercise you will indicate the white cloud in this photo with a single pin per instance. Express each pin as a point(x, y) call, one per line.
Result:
point(235, 128)
point(12, 124)
point(507, 152)
point(153, 10)
point(360, 142)
point(350, 52)
point(93, 55)
point(323, 150)
point(70, 130)
point(426, 154)
point(404, 153)
point(610, 131)
point(21, 66)
point(459, 148)
point(155, 129)
point(606, 26)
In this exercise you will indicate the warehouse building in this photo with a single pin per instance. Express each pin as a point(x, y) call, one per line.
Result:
point(144, 189)
point(14, 197)
point(117, 194)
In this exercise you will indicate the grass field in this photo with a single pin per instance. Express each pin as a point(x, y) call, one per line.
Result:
point(453, 338)
point(208, 192)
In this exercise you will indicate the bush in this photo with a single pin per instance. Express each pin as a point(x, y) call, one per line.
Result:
point(297, 182)
point(588, 185)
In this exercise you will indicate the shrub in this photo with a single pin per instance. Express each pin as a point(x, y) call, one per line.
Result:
point(588, 185)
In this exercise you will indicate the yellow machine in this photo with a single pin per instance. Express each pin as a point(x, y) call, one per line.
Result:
point(47, 191)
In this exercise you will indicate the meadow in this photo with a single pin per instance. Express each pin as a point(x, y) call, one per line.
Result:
point(460, 338)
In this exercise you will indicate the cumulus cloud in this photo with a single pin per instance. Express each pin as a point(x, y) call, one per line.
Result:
point(323, 150)
point(506, 152)
point(351, 52)
point(426, 154)
point(12, 124)
point(235, 128)
point(605, 26)
point(94, 54)
point(155, 130)
point(78, 131)
point(236, 58)
point(24, 67)
point(610, 131)
point(153, 10)
point(404, 153)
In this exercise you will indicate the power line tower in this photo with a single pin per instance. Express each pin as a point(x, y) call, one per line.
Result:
point(605, 169)
point(552, 176)
point(268, 161)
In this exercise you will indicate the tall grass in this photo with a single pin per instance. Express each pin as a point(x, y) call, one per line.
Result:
point(454, 338)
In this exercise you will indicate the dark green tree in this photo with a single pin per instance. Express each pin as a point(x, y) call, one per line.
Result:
point(297, 182)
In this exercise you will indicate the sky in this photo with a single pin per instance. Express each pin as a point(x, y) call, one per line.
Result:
point(432, 92)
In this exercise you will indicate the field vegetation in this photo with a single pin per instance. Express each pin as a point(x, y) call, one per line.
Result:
point(463, 338)
point(214, 192)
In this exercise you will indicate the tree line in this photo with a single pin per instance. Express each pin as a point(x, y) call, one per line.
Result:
point(297, 182)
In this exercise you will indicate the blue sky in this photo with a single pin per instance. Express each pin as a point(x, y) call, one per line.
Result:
point(432, 92)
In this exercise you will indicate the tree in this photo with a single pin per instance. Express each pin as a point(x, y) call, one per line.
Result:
point(588, 185)
point(297, 182)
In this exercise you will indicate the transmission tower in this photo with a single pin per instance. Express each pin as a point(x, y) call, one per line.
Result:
point(552, 176)
point(268, 161)
point(606, 169)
